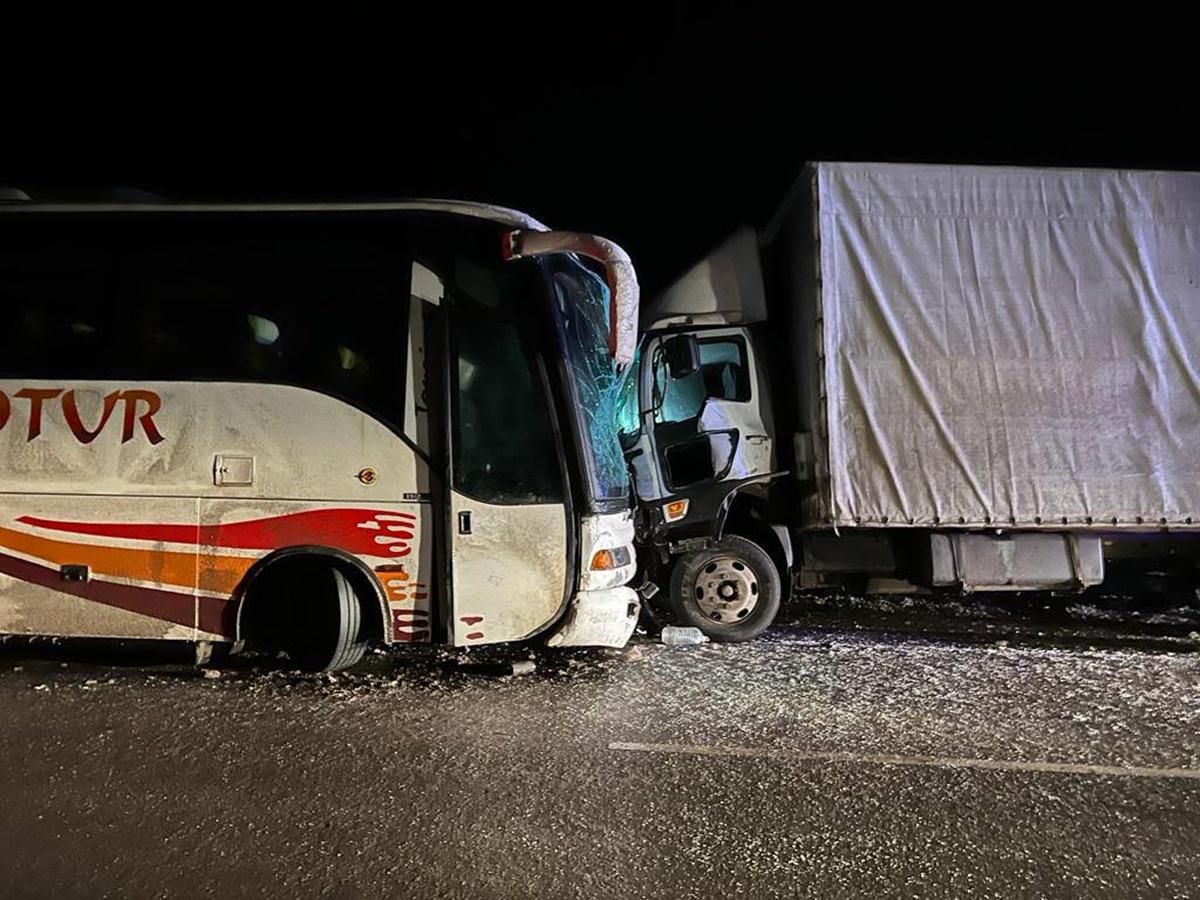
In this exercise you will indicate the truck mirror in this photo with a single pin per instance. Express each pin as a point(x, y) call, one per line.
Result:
point(682, 355)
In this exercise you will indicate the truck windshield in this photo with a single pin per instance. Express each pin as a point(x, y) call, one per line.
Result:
point(581, 315)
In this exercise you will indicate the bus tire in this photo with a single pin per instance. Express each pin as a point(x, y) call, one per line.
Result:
point(730, 591)
point(326, 633)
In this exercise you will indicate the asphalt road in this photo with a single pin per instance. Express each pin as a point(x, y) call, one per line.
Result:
point(818, 762)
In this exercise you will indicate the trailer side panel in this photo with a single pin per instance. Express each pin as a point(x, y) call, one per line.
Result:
point(1010, 346)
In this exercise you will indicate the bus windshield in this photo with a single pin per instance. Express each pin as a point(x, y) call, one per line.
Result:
point(581, 317)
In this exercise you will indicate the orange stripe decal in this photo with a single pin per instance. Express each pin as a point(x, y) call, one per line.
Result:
point(220, 574)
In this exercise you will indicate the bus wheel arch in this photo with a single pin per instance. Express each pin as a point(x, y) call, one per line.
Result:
point(298, 595)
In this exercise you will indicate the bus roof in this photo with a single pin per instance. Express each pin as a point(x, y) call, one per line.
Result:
point(501, 215)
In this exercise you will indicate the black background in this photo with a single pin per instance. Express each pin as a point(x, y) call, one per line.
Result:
point(662, 126)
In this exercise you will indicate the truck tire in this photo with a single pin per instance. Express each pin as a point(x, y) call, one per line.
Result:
point(326, 633)
point(731, 591)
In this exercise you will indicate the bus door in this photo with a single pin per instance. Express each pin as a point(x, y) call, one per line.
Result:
point(506, 519)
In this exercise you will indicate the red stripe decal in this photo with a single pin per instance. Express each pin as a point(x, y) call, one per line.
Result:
point(365, 532)
point(177, 534)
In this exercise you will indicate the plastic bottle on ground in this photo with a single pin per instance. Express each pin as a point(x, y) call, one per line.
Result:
point(682, 636)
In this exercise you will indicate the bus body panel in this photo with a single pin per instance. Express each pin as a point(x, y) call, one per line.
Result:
point(137, 516)
point(304, 444)
point(131, 589)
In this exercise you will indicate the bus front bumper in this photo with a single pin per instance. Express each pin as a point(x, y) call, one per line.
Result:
point(604, 618)
point(604, 610)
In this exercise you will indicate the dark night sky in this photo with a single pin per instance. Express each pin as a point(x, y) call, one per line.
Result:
point(661, 129)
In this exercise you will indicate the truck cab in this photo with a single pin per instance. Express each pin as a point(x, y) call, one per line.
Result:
point(696, 423)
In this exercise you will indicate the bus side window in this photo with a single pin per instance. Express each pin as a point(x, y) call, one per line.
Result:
point(313, 302)
point(286, 319)
point(55, 323)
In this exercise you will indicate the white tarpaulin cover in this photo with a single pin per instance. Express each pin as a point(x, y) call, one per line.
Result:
point(1010, 345)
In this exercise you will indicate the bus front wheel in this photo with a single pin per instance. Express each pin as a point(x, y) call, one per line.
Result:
point(730, 591)
point(328, 635)
point(309, 609)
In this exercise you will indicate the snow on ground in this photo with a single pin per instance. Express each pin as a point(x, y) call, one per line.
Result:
point(419, 776)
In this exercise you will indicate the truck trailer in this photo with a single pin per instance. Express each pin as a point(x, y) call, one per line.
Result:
point(924, 377)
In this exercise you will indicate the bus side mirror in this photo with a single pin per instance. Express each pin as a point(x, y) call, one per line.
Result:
point(682, 355)
point(618, 272)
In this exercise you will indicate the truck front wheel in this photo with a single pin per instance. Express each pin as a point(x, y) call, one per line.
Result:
point(730, 591)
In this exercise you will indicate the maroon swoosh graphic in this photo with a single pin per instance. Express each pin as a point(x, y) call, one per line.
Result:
point(216, 616)
point(327, 527)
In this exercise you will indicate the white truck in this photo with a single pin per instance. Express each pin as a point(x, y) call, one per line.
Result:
point(924, 377)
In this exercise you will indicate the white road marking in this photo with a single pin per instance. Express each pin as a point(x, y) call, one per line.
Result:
point(944, 762)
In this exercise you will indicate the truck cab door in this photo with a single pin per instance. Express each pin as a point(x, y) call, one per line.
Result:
point(708, 426)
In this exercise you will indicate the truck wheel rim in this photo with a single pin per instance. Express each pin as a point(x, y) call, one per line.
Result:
point(726, 590)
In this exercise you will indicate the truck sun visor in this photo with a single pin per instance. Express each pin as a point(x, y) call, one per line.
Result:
point(618, 271)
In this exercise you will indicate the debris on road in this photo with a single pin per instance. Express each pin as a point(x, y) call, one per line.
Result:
point(1009, 757)
point(499, 669)
point(682, 636)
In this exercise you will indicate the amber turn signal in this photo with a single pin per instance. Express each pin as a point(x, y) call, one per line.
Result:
point(675, 510)
point(603, 559)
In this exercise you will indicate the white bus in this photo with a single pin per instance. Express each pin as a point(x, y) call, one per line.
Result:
point(312, 427)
